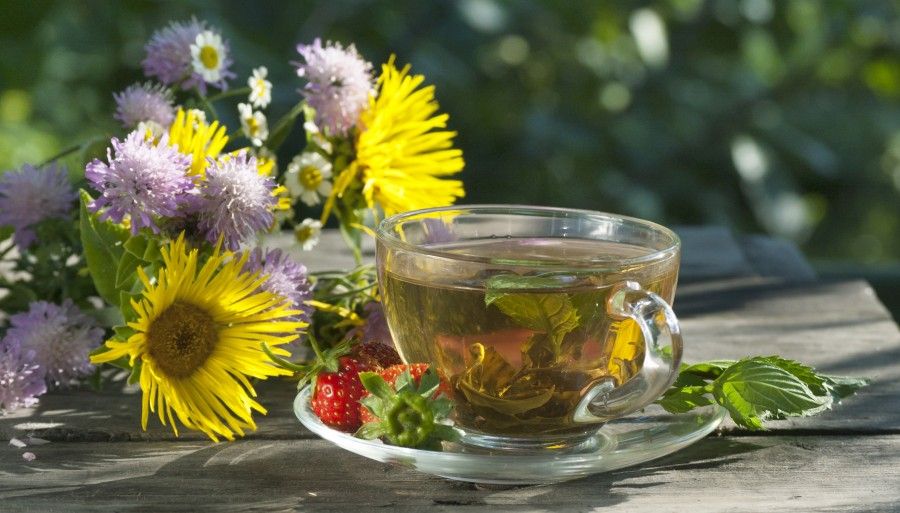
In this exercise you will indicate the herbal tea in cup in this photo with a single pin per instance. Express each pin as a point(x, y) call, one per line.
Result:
point(547, 322)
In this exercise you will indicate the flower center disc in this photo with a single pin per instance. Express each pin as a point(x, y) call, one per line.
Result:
point(209, 57)
point(310, 177)
point(181, 339)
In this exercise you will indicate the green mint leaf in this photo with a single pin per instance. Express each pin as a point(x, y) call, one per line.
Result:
point(707, 370)
point(500, 285)
point(684, 400)
point(552, 314)
point(376, 385)
point(843, 386)
point(804, 373)
point(753, 391)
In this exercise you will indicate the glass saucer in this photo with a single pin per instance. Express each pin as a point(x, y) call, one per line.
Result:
point(624, 442)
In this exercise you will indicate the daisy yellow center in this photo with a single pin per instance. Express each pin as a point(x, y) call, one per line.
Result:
point(304, 233)
point(310, 178)
point(252, 126)
point(181, 339)
point(209, 57)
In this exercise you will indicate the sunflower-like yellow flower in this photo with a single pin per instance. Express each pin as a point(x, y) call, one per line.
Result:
point(403, 151)
point(198, 339)
point(194, 137)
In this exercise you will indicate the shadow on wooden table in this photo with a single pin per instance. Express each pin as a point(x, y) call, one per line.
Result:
point(256, 474)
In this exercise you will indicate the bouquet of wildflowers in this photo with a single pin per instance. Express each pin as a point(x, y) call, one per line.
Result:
point(156, 265)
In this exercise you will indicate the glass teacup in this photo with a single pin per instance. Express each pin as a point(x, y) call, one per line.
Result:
point(547, 322)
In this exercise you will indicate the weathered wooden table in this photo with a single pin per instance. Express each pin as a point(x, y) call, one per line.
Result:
point(737, 296)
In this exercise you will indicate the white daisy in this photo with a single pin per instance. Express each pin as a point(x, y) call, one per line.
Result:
point(208, 56)
point(307, 177)
point(199, 117)
point(307, 233)
point(254, 124)
point(260, 88)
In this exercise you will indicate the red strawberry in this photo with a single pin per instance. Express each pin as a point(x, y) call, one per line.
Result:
point(336, 397)
point(390, 375)
point(376, 355)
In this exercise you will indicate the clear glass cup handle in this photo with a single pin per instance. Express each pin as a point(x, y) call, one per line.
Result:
point(662, 356)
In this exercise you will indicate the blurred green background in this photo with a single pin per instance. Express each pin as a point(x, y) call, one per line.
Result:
point(767, 116)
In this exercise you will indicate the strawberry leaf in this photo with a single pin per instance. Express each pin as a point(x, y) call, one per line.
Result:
point(370, 431)
point(376, 385)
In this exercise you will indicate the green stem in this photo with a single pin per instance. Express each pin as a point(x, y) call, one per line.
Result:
point(283, 127)
point(227, 94)
point(61, 154)
point(207, 105)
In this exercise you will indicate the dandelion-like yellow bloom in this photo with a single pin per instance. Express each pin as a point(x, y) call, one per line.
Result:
point(404, 153)
point(198, 337)
point(196, 138)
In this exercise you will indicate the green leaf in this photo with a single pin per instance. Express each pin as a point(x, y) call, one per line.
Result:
point(376, 385)
point(753, 391)
point(843, 386)
point(804, 373)
point(708, 370)
point(126, 274)
point(552, 314)
point(428, 383)
point(445, 432)
point(102, 243)
point(442, 406)
point(683, 400)
point(374, 405)
point(404, 382)
point(370, 431)
point(500, 285)
point(136, 245)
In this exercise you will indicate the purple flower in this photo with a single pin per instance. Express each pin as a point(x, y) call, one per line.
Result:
point(235, 201)
point(376, 328)
point(169, 56)
point(29, 195)
point(284, 276)
point(61, 337)
point(143, 180)
point(339, 83)
point(21, 378)
point(144, 102)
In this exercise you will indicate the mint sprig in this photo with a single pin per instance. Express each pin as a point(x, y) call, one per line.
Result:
point(758, 388)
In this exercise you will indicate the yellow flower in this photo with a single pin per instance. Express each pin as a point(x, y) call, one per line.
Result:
point(403, 151)
point(198, 337)
point(196, 138)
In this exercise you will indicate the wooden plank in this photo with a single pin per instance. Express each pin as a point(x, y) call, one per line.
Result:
point(840, 328)
point(782, 473)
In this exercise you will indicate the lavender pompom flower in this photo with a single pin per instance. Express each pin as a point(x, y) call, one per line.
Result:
point(284, 277)
point(170, 60)
point(143, 180)
point(338, 84)
point(30, 195)
point(61, 337)
point(146, 103)
point(21, 378)
point(235, 201)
